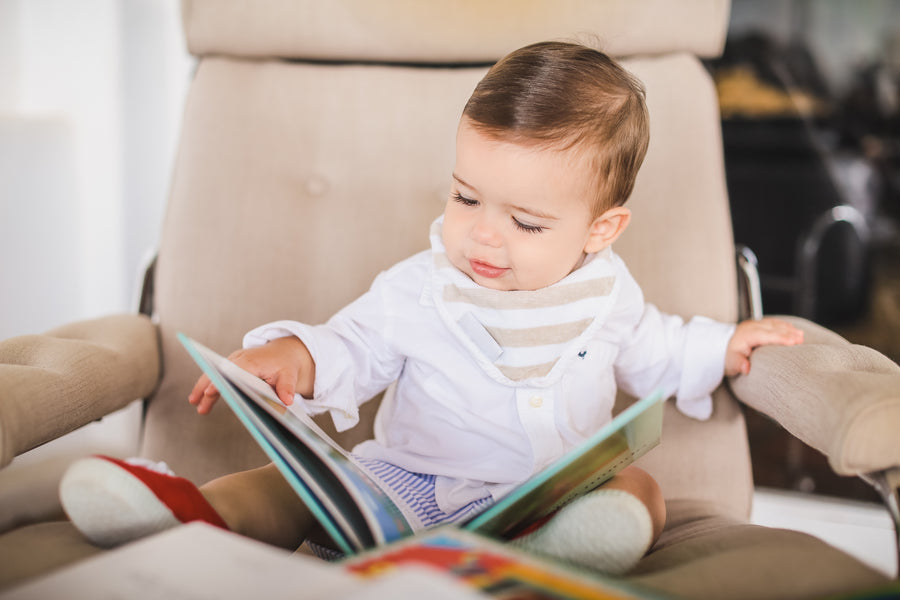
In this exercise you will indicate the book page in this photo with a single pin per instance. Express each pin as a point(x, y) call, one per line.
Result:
point(494, 568)
point(302, 424)
point(322, 463)
point(626, 438)
point(192, 562)
point(261, 391)
point(201, 562)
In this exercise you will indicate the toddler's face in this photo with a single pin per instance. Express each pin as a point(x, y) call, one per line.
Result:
point(518, 218)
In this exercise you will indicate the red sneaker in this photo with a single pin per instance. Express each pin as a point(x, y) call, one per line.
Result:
point(112, 501)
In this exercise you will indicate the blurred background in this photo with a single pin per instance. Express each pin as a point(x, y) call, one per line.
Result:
point(810, 98)
point(91, 94)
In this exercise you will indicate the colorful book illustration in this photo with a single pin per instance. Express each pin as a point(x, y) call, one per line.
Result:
point(493, 568)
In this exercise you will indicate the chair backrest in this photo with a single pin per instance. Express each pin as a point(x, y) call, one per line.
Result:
point(316, 148)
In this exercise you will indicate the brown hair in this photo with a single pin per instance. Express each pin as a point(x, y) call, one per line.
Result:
point(564, 95)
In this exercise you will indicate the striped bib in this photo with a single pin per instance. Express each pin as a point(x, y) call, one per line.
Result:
point(523, 336)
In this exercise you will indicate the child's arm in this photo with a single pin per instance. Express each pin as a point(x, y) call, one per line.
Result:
point(284, 363)
point(752, 334)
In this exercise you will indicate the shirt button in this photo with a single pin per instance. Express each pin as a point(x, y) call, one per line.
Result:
point(536, 401)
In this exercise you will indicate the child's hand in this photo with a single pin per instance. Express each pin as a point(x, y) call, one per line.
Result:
point(752, 334)
point(284, 363)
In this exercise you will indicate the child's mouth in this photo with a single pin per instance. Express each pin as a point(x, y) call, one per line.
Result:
point(486, 270)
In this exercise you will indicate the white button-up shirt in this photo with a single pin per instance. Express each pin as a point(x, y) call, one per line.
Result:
point(479, 435)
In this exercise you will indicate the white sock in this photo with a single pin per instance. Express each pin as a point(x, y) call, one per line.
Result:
point(158, 466)
point(606, 530)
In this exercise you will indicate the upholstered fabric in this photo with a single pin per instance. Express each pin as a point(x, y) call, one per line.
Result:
point(31, 551)
point(53, 383)
point(842, 399)
point(444, 31)
point(679, 244)
point(703, 554)
point(687, 469)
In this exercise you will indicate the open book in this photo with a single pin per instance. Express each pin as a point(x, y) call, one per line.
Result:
point(359, 513)
point(493, 568)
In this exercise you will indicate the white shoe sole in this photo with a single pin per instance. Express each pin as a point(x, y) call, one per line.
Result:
point(109, 505)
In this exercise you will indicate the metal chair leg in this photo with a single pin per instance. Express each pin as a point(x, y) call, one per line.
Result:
point(750, 302)
point(887, 484)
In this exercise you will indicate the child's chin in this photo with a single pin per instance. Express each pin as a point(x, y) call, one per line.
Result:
point(499, 284)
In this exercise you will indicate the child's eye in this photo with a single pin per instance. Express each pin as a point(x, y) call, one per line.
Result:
point(526, 227)
point(463, 200)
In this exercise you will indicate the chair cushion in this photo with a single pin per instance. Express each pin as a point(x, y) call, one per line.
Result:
point(687, 469)
point(36, 550)
point(471, 31)
point(679, 244)
point(702, 554)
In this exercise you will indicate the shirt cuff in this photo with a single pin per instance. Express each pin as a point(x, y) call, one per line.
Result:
point(332, 389)
point(704, 366)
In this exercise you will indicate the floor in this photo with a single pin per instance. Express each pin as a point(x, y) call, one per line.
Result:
point(862, 529)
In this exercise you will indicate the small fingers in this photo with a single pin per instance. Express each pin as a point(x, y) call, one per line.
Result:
point(199, 389)
point(776, 331)
point(736, 364)
point(208, 400)
point(770, 331)
point(204, 395)
point(753, 334)
point(284, 389)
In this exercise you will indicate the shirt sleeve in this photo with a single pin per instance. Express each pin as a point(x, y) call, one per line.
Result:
point(353, 357)
point(661, 351)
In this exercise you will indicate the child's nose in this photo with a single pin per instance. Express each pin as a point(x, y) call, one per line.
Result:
point(485, 232)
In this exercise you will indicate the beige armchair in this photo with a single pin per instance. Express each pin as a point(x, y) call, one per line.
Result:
point(316, 148)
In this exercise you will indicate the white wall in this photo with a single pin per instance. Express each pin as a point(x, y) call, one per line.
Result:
point(90, 103)
point(91, 94)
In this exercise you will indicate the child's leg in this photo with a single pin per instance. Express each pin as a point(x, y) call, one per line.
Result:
point(261, 505)
point(112, 502)
point(608, 529)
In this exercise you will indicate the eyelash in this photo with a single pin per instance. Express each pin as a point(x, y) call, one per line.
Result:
point(527, 228)
point(519, 225)
point(463, 200)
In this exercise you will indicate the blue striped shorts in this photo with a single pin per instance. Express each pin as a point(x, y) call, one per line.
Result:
point(417, 491)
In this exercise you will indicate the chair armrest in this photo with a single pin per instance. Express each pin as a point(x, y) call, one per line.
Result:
point(839, 398)
point(54, 383)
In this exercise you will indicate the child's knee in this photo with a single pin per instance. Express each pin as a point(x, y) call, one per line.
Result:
point(642, 485)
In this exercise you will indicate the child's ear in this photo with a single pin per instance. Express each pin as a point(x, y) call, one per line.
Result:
point(606, 228)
